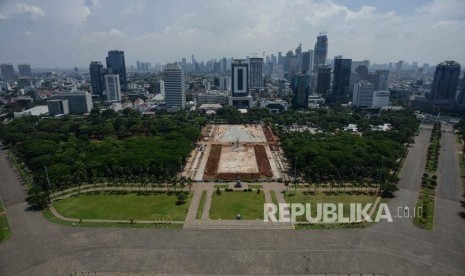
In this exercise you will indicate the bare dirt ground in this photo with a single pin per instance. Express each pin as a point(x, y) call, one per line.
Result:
point(229, 152)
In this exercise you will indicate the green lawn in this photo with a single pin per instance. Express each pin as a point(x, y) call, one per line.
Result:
point(275, 201)
point(227, 205)
point(153, 206)
point(201, 205)
point(345, 198)
point(255, 186)
point(48, 215)
point(5, 231)
point(221, 186)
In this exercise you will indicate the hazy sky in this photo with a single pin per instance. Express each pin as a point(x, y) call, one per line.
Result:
point(65, 33)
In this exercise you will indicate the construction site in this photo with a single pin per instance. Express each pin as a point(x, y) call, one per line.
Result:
point(231, 152)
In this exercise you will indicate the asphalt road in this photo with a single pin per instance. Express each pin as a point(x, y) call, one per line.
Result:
point(399, 248)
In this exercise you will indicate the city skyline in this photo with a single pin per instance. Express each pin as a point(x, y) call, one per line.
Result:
point(72, 33)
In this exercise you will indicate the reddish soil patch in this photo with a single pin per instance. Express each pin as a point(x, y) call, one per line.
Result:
point(213, 161)
point(270, 137)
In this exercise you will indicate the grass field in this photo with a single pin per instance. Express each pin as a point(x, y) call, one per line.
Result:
point(345, 198)
point(227, 205)
point(201, 204)
point(49, 216)
point(5, 231)
point(154, 206)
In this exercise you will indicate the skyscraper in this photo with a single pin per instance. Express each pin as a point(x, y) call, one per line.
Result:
point(175, 91)
point(300, 90)
point(96, 77)
point(341, 80)
point(298, 54)
point(321, 51)
point(461, 98)
point(446, 78)
point(116, 62)
point(293, 67)
point(8, 72)
point(112, 88)
point(25, 70)
point(307, 61)
point(399, 68)
point(323, 83)
point(240, 97)
point(256, 73)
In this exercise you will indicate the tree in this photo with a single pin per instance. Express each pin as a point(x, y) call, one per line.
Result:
point(181, 198)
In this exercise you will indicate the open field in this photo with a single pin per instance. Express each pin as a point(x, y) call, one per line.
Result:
point(227, 205)
point(156, 206)
point(321, 197)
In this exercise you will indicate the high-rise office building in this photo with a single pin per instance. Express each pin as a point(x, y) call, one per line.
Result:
point(24, 83)
point(112, 88)
point(399, 67)
point(240, 96)
point(25, 70)
point(293, 67)
point(175, 91)
point(225, 82)
point(300, 86)
point(383, 79)
point(8, 72)
point(256, 73)
point(307, 61)
point(461, 98)
point(298, 54)
point(321, 51)
point(341, 80)
point(323, 83)
point(117, 64)
point(362, 72)
point(445, 81)
point(161, 88)
point(96, 71)
point(58, 107)
point(380, 99)
point(363, 94)
point(79, 102)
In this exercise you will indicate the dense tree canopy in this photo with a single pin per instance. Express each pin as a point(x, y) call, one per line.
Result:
point(77, 150)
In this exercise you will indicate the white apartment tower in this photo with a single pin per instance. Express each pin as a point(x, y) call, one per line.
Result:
point(113, 89)
point(175, 91)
